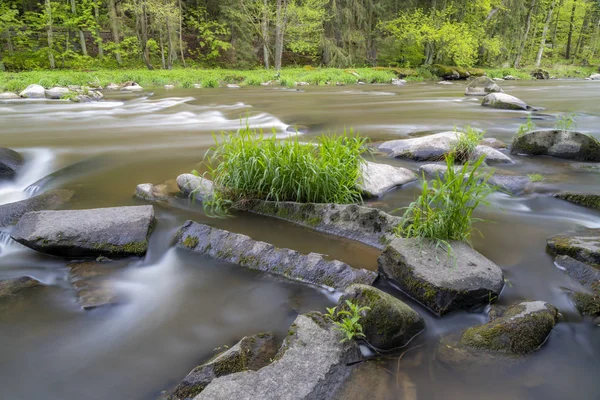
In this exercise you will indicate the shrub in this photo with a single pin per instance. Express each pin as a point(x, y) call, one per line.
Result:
point(250, 165)
point(467, 140)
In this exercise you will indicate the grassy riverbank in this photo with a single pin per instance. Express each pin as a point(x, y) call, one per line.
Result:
point(16, 81)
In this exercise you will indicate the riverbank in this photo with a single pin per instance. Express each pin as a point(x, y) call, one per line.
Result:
point(290, 77)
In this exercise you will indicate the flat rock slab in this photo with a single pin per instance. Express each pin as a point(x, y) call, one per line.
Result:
point(14, 287)
point(251, 353)
point(504, 101)
point(92, 283)
point(380, 178)
point(581, 199)
point(246, 252)
point(583, 246)
point(367, 225)
point(521, 329)
point(111, 232)
point(464, 280)
point(562, 144)
point(10, 163)
point(312, 364)
point(53, 199)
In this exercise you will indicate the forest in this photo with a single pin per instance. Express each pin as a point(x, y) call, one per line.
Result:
point(247, 34)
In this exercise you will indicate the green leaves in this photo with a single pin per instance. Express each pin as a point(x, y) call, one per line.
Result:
point(347, 320)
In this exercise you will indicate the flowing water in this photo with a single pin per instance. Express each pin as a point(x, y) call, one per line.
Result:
point(180, 307)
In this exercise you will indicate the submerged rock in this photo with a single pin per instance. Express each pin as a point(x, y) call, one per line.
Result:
point(51, 200)
point(160, 192)
point(482, 86)
point(14, 287)
point(10, 163)
point(34, 92)
point(246, 252)
point(379, 178)
point(91, 281)
point(440, 281)
point(561, 144)
point(200, 187)
point(367, 225)
point(583, 245)
point(249, 354)
point(390, 323)
point(504, 101)
point(311, 364)
point(588, 275)
point(581, 199)
point(57, 93)
point(521, 329)
point(116, 231)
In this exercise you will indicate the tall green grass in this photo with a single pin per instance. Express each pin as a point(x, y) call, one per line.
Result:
point(251, 165)
point(467, 139)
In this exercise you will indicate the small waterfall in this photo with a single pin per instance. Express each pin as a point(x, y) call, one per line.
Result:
point(38, 164)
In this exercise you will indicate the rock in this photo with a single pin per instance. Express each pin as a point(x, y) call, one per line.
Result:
point(540, 74)
point(57, 93)
point(249, 354)
point(510, 78)
point(379, 178)
point(197, 86)
point(595, 77)
point(246, 252)
point(10, 163)
point(447, 73)
point(583, 246)
point(367, 225)
point(9, 96)
point(161, 192)
point(169, 87)
point(15, 287)
point(445, 83)
point(112, 86)
point(436, 169)
point(311, 364)
point(498, 79)
point(513, 184)
point(587, 275)
point(398, 82)
point(521, 329)
point(462, 280)
point(491, 156)
point(296, 129)
point(482, 86)
point(561, 144)
point(34, 92)
point(131, 87)
point(390, 323)
point(586, 167)
point(302, 84)
point(199, 187)
point(232, 86)
point(268, 83)
point(493, 143)
point(585, 200)
point(112, 232)
point(91, 281)
point(504, 101)
point(426, 148)
point(51, 200)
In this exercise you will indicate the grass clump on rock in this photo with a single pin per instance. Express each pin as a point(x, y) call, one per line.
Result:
point(466, 142)
point(250, 165)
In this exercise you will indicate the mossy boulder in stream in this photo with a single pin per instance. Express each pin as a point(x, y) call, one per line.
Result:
point(586, 200)
point(10, 163)
point(588, 275)
point(504, 101)
point(249, 354)
point(582, 245)
point(11, 288)
point(562, 144)
point(53, 199)
point(463, 279)
point(389, 323)
point(521, 329)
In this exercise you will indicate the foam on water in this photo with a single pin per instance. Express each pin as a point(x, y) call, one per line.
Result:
point(38, 163)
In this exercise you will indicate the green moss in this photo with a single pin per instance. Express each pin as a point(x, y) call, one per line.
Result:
point(190, 242)
point(587, 304)
point(234, 362)
point(585, 200)
point(314, 221)
point(136, 248)
point(522, 144)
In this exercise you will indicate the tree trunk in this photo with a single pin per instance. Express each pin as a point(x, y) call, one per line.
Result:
point(540, 53)
point(596, 39)
point(265, 33)
point(568, 52)
point(170, 46)
point(98, 38)
point(280, 32)
point(81, 34)
point(49, 33)
point(582, 33)
point(162, 51)
point(181, 33)
point(526, 36)
point(560, 3)
point(144, 36)
point(114, 27)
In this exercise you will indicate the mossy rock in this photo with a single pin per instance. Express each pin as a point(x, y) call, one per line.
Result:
point(447, 73)
point(521, 329)
point(586, 200)
point(588, 275)
point(540, 74)
point(583, 246)
point(569, 145)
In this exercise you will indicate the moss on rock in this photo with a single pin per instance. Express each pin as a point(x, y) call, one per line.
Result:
point(585, 200)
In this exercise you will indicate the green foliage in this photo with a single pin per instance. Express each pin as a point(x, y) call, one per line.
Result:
point(566, 122)
point(250, 165)
point(526, 127)
point(467, 139)
point(444, 210)
point(348, 321)
point(536, 177)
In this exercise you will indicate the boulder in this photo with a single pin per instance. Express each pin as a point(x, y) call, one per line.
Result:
point(169, 87)
point(10, 163)
point(9, 96)
point(249, 354)
point(246, 252)
point(91, 281)
point(33, 92)
point(367, 225)
point(586, 200)
point(445, 83)
point(57, 93)
point(116, 231)
point(510, 78)
point(233, 86)
point(112, 86)
point(160, 192)
point(562, 144)
point(197, 86)
point(379, 178)
point(504, 101)
point(131, 87)
point(491, 156)
point(586, 167)
point(15, 287)
point(426, 148)
point(583, 245)
point(482, 86)
point(447, 73)
point(595, 77)
point(398, 82)
point(389, 323)
point(521, 329)
point(588, 275)
point(493, 143)
point(199, 187)
point(311, 364)
point(540, 74)
point(302, 84)
point(51, 200)
point(440, 280)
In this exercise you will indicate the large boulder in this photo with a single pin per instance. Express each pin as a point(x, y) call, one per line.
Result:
point(10, 163)
point(442, 281)
point(51, 200)
point(581, 199)
point(249, 354)
point(504, 101)
point(57, 93)
point(595, 77)
point(367, 225)
point(490, 155)
point(583, 245)
point(242, 250)
point(92, 283)
point(482, 86)
point(540, 74)
point(192, 185)
point(521, 329)
point(588, 275)
point(379, 178)
point(561, 144)
point(116, 231)
point(389, 323)
point(14, 287)
point(34, 92)
point(311, 364)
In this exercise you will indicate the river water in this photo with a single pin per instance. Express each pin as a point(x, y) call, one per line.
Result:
point(181, 307)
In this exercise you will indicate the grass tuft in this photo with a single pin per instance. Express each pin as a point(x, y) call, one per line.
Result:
point(467, 140)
